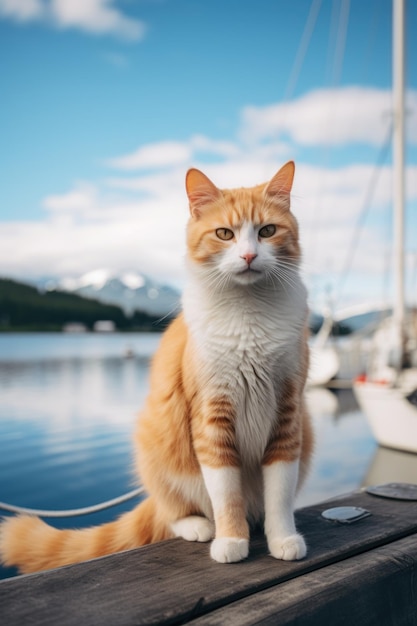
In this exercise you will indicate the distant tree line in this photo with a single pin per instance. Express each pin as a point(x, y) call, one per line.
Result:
point(23, 307)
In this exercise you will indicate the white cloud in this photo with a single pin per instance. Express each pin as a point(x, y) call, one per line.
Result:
point(328, 117)
point(80, 199)
point(162, 154)
point(202, 144)
point(21, 10)
point(69, 248)
point(89, 227)
point(100, 17)
point(335, 195)
point(95, 16)
point(173, 153)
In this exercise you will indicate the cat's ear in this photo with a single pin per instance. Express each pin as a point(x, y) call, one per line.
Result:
point(280, 185)
point(200, 190)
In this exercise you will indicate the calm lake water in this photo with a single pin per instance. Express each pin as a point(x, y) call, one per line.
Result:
point(68, 405)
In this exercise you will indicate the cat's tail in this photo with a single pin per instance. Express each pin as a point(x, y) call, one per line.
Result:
point(32, 545)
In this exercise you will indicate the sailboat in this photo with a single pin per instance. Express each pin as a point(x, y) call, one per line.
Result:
point(324, 361)
point(388, 396)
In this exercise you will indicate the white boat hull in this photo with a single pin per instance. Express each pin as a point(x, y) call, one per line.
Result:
point(324, 365)
point(392, 418)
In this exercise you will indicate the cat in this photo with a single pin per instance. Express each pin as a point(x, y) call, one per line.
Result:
point(224, 439)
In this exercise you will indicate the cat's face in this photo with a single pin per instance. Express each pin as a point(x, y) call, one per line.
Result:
point(242, 236)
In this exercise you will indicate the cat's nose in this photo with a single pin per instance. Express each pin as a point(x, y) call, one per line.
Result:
point(249, 257)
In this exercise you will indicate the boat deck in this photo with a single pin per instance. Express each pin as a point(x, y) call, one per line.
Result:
point(360, 573)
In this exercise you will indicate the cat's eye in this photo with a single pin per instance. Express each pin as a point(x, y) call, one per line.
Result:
point(267, 231)
point(224, 233)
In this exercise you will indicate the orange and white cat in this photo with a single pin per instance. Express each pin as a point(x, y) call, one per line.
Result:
point(224, 438)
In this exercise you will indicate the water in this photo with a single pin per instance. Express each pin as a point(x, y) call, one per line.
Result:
point(68, 405)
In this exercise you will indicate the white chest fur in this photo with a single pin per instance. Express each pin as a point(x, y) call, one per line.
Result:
point(247, 342)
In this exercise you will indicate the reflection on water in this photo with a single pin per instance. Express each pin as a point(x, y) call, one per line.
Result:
point(48, 346)
point(68, 405)
point(67, 411)
point(344, 445)
point(388, 466)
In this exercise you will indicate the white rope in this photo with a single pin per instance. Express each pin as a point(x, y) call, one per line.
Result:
point(73, 512)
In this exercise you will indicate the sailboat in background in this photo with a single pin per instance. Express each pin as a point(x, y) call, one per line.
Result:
point(324, 360)
point(388, 395)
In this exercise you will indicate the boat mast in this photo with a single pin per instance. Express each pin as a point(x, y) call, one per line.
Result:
point(398, 170)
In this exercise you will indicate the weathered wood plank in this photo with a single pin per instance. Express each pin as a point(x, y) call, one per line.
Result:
point(173, 582)
point(377, 588)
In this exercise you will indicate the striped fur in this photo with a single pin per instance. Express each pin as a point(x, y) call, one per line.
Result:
point(224, 438)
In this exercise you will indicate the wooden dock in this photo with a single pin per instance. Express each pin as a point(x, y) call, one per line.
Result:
point(364, 573)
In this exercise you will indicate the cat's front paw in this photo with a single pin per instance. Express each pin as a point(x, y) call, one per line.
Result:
point(289, 548)
point(229, 549)
point(193, 528)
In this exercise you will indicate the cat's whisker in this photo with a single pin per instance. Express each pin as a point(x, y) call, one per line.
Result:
point(287, 274)
point(270, 278)
point(277, 277)
point(216, 280)
point(288, 277)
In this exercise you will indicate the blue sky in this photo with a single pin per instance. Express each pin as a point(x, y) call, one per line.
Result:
point(105, 104)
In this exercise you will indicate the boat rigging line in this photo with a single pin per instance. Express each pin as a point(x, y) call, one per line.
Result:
point(382, 157)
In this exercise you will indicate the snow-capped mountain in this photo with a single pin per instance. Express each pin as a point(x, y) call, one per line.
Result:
point(129, 290)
